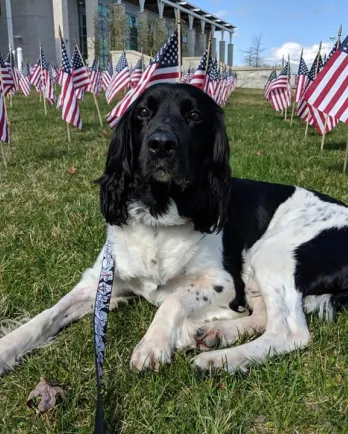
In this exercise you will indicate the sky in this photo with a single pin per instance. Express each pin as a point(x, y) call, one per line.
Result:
point(285, 26)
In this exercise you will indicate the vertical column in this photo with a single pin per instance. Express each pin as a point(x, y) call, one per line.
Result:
point(230, 51)
point(202, 38)
point(91, 23)
point(142, 27)
point(191, 36)
point(61, 19)
point(161, 23)
point(222, 48)
point(9, 24)
point(213, 42)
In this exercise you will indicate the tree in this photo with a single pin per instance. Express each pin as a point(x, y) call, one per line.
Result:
point(253, 56)
point(118, 27)
point(152, 34)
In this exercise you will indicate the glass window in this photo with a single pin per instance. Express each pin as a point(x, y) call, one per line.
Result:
point(132, 32)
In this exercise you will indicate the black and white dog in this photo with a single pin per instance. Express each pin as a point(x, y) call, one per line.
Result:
point(220, 256)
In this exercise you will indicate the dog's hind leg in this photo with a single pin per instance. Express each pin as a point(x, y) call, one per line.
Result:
point(43, 327)
point(286, 327)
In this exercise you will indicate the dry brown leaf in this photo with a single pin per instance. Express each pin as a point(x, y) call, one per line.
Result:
point(43, 397)
point(105, 134)
point(72, 170)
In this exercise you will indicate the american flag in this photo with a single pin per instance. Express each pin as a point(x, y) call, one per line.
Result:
point(329, 92)
point(67, 98)
point(271, 78)
point(223, 89)
point(41, 78)
point(302, 108)
point(322, 123)
point(200, 75)
point(46, 79)
point(279, 90)
point(137, 72)
point(106, 76)
point(10, 63)
point(94, 76)
point(120, 79)
point(7, 83)
point(4, 131)
point(24, 82)
point(35, 75)
point(213, 80)
point(302, 79)
point(79, 70)
point(164, 68)
point(54, 72)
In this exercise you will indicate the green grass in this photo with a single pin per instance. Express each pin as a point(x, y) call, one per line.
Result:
point(51, 230)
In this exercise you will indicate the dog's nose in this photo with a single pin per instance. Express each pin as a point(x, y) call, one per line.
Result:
point(162, 142)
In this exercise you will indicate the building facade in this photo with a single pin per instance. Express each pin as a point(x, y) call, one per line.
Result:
point(27, 23)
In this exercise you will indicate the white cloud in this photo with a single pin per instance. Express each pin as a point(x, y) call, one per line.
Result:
point(222, 13)
point(294, 50)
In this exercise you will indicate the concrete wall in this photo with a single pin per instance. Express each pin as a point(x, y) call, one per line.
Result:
point(3, 30)
point(32, 24)
point(254, 78)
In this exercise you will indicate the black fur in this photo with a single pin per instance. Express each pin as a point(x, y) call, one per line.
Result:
point(198, 179)
point(198, 168)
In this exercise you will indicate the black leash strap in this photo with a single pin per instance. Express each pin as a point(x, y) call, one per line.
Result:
point(101, 310)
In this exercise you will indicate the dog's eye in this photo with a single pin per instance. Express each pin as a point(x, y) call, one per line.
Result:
point(143, 112)
point(195, 116)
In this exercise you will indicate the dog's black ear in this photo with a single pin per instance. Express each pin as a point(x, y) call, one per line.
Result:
point(116, 181)
point(219, 173)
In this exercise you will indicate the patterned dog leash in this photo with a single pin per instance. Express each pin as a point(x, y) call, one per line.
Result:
point(101, 310)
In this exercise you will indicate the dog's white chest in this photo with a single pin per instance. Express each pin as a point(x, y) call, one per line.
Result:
point(154, 251)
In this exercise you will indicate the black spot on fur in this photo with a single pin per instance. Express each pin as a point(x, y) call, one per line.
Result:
point(154, 261)
point(233, 305)
point(218, 288)
point(205, 298)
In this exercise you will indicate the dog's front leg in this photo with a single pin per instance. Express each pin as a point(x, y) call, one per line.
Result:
point(191, 300)
point(44, 326)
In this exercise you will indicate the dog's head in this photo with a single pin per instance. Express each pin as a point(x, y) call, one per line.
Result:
point(171, 144)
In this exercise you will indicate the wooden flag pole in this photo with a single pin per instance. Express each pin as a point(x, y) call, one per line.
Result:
point(292, 113)
point(94, 97)
point(289, 75)
point(5, 107)
point(68, 131)
point(294, 104)
point(345, 158)
point(208, 54)
point(326, 116)
point(3, 93)
point(3, 155)
point(179, 45)
point(10, 96)
point(67, 123)
point(316, 72)
point(324, 133)
point(43, 90)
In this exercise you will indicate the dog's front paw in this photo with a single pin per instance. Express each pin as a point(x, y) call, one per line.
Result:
point(151, 354)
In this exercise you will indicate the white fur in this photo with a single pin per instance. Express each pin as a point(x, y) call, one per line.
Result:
point(321, 304)
point(269, 269)
point(158, 259)
point(175, 267)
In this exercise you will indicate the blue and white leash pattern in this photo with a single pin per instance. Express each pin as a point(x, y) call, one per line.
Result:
point(101, 310)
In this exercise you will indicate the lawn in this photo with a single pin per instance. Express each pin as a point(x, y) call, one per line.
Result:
point(51, 230)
